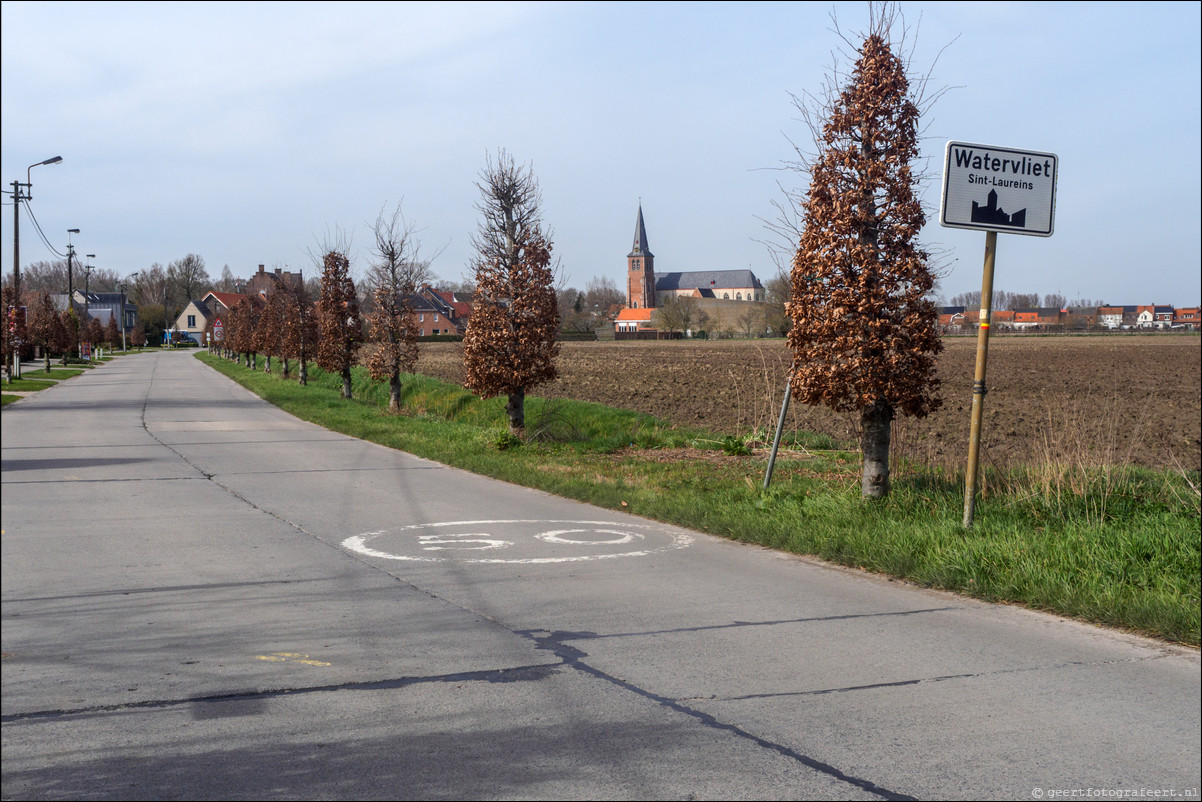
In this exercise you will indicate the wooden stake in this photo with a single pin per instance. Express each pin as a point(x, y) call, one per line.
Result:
point(978, 384)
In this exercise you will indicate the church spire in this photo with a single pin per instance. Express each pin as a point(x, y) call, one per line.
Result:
point(640, 237)
point(640, 269)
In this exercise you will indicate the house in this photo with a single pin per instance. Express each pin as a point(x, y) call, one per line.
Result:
point(220, 303)
point(1037, 318)
point(951, 318)
point(194, 320)
point(631, 320)
point(439, 312)
point(1190, 318)
point(1111, 317)
point(263, 282)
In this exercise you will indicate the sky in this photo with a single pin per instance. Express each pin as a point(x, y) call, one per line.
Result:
point(251, 133)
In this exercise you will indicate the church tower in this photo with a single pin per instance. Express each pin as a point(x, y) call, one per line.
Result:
point(640, 270)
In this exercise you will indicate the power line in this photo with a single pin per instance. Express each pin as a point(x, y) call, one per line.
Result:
point(42, 236)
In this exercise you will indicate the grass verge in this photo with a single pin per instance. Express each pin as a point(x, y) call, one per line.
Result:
point(1131, 563)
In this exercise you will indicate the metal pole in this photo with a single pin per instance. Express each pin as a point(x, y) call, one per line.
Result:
point(780, 427)
point(16, 368)
point(978, 384)
point(71, 295)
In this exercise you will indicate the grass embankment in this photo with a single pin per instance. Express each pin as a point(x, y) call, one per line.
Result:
point(1115, 546)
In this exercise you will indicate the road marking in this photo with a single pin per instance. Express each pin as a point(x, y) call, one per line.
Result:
point(290, 657)
point(567, 539)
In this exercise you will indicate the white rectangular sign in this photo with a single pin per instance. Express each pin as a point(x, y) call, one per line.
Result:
point(989, 188)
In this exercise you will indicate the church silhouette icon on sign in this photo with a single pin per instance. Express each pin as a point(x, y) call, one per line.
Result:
point(990, 214)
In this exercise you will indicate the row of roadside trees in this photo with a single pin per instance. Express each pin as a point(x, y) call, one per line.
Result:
point(57, 334)
point(511, 340)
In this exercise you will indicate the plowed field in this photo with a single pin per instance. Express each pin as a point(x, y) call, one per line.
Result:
point(1115, 399)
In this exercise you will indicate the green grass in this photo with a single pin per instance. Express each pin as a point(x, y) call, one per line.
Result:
point(6, 399)
point(56, 373)
point(1118, 547)
point(24, 385)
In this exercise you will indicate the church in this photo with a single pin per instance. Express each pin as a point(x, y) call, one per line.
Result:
point(647, 289)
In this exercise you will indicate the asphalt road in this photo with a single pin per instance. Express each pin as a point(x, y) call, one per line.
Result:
point(204, 597)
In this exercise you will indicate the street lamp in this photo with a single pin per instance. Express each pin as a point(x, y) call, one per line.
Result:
point(17, 198)
point(87, 277)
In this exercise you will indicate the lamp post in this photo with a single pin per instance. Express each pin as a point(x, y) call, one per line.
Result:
point(71, 285)
point(17, 198)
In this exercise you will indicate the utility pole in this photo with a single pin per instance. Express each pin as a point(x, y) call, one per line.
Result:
point(17, 237)
point(17, 198)
point(71, 289)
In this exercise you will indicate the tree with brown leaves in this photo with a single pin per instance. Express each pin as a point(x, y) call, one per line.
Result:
point(300, 330)
point(112, 334)
point(94, 333)
point(268, 335)
point(69, 332)
point(863, 332)
point(510, 343)
point(339, 326)
point(394, 278)
point(44, 325)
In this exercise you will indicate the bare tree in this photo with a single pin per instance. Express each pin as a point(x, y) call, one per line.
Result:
point(675, 314)
point(510, 343)
point(340, 328)
point(189, 278)
point(863, 333)
point(1055, 301)
point(395, 277)
point(227, 283)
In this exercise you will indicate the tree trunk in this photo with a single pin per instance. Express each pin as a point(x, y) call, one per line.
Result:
point(267, 364)
point(875, 424)
point(303, 374)
point(346, 382)
point(515, 408)
point(286, 371)
point(394, 393)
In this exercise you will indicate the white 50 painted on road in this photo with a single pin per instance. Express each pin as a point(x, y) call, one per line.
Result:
point(517, 541)
point(989, 188)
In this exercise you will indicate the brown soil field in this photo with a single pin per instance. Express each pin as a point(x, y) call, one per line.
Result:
point(1107, 399)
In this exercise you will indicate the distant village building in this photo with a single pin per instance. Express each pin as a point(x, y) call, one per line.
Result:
point(263, 282)
point(439, 312)
point(646, 290)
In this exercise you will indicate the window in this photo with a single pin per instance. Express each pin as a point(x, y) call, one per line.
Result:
point(726, 296)
point(191, 321)
point(421, 319)
point(738, 296)
point(435, 319)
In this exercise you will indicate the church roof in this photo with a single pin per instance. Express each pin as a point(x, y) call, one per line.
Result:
point(706, 279)
point(640, 238)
